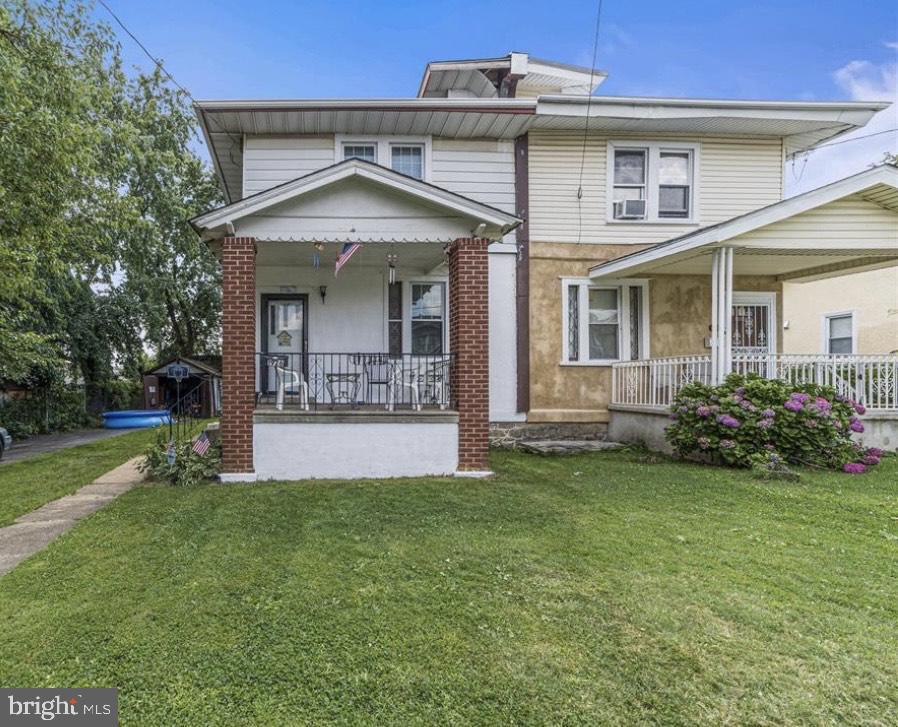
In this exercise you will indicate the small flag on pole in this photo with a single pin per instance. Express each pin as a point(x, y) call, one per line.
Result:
point(347, 252)
point(201, 445)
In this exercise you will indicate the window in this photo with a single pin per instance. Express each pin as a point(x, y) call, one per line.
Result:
point(368, 152)
point(427, 318)
point(652, 182)
point(840, 333)
point(394, 318)
point(409, 155)
point(604, 323)
point(408, 159)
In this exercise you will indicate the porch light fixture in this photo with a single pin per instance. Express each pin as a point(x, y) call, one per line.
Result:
point(392, 259)
point(322, 290)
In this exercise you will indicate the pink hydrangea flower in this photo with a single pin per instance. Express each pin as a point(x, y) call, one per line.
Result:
point(727, 421)
point(703, 411)
point(856, 426)
point(870, 460)
point(793, 405)
point(860, 408)
point(854, 468)
point(729, 444)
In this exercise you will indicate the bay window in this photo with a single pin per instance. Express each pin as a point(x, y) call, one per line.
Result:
point(652, 181)
point(604, 322)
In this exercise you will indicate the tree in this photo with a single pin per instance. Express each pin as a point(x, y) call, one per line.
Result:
point(97, 182)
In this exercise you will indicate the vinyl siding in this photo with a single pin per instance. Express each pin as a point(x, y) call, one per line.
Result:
point(272, 160)
point(482, 169)
point(852, 220)
point(735, 176)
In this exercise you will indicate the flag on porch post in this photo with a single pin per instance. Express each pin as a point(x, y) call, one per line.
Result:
point(347, 252)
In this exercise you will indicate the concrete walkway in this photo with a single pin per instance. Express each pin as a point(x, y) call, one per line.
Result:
point(43, 443)
point(35, 531)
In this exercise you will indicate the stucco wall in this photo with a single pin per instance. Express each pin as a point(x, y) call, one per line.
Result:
point(871, 296)
point(679, 313)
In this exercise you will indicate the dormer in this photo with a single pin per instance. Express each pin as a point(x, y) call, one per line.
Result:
point(515, 75)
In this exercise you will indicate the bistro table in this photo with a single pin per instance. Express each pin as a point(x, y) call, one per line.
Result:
point(343, 388)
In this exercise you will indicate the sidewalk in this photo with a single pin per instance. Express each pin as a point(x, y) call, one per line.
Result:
point(35, 531)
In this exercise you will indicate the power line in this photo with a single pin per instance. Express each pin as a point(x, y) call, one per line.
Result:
point(592, 71)
point(161, 66)
point(855, 138)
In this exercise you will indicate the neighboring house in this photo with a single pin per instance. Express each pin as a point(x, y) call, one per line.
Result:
point(856, 314)
point(485, 233)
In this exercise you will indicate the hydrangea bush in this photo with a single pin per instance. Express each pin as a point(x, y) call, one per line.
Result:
point(745, 417)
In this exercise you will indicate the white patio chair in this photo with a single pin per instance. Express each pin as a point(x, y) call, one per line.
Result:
point(402, 378)
point(297, 379)
point(436, 383)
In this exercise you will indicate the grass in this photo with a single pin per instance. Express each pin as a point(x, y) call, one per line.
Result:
point(28, 484)
point(582, 590)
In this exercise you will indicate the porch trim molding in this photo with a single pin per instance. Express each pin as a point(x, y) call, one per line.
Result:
point(212, 225)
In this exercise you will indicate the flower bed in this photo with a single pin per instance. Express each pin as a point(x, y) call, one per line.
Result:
point(763, 423)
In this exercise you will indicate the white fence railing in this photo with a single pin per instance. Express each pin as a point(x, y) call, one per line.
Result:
point(653, 383)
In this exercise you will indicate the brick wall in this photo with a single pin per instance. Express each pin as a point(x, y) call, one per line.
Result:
point(238, 353)
point(469, 340)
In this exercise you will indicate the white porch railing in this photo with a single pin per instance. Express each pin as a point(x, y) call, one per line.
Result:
point(653, 383)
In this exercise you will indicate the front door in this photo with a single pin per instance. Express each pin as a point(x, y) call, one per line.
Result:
point(283, 339)
point(752, 324)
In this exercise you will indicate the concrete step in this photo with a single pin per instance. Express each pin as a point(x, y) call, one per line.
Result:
point(568, 446)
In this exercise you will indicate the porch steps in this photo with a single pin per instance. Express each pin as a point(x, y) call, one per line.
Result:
point(567, 446)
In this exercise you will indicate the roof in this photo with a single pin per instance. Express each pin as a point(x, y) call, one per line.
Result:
point(497, 77)
point(878, 185)
point(214, 224)
point(200, 365)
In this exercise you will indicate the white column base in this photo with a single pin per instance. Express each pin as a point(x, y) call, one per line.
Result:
point(474, 474)
point(228, 477)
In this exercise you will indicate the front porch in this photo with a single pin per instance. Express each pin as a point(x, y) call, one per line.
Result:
point(355, 327)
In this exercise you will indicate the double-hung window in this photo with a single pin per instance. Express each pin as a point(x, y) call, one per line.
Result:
point(839, 329)
point(406, 155)
point(652, 182)
point(428, 318)
point(604, 322)
point(408, 159)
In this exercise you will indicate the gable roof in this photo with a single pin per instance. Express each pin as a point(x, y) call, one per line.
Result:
point(214, 224)
point(878, 185)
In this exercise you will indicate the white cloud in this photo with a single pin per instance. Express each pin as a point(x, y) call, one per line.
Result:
point(861, 81)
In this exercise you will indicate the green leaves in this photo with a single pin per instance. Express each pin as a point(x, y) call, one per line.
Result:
point(97, 182)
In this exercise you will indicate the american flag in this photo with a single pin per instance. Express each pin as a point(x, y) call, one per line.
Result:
point(347, 252)
point(201, 445)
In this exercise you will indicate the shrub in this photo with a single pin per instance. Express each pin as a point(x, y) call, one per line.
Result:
point(763, 423)
point(188, 469)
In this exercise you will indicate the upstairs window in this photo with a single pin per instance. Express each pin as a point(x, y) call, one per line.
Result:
point(367, 152)
point(652, 182)
point(408, 159)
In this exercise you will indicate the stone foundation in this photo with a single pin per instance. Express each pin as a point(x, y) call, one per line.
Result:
point(508, 435)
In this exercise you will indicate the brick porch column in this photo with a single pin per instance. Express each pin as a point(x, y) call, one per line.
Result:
point(469, 340)
point(238, 383)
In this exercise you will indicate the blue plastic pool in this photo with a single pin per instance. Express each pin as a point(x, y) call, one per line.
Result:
point(135, 418)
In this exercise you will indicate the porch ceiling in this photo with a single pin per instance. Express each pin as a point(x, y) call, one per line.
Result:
point(421, 258)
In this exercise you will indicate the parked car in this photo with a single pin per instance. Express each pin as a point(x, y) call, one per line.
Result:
point(5, 441)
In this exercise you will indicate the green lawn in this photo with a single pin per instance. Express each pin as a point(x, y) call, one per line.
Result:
point(583, 590)
point(28, 484)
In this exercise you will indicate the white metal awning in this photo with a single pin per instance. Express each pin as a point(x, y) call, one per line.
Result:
point(848, 226)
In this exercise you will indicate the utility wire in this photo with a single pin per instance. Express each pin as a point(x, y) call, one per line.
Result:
point(161, 66)
point(592, 71)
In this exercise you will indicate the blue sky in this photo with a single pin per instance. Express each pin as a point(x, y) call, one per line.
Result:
point(798, 49)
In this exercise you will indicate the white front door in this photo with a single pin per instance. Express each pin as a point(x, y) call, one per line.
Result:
point(753, 324)
point(285, 321)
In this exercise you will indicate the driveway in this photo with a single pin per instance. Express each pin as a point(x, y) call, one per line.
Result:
point(43, 443)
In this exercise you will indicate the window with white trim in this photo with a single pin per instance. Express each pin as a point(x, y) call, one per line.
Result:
point(652, 182)
point(409, 155)
point(366, 152)
point(604, 322)
point(408, 159)
point(428, 307)
point(840, 333)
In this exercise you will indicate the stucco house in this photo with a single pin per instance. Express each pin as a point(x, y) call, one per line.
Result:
point(509, 251)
